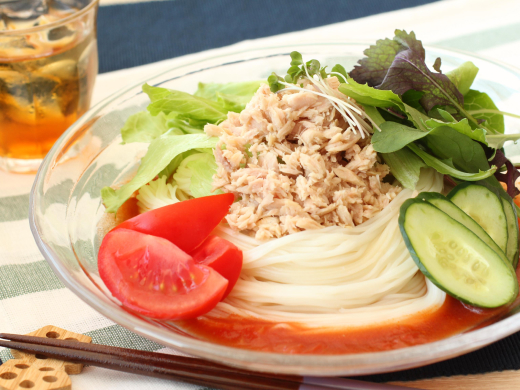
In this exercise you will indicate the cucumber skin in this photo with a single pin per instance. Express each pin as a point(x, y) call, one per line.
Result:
point(514, 260)
point(501, 194)
point(495, 191)
point(435, 195)
point(422, 268)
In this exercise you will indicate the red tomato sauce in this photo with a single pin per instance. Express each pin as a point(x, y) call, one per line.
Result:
point(452, 318)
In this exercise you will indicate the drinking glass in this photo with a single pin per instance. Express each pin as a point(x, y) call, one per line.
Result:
point(48, 64)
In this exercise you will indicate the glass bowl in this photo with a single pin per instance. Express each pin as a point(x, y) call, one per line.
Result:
point(66, 206)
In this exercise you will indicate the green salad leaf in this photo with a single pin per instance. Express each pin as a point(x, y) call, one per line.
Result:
point(467, 155)
point(185, 126)
point(234, 96)
point(462, 127)
point(155, 93)
point(405, 166)
point(160, 153)
point(446, 167)
point(395, 136)
point(195, 175)
point(182, 103)
point(463, 76)
point(413, 99)
point(143, 127)
point(364, 94)
point(342, 77)
point(497, 141)
point(475, 101)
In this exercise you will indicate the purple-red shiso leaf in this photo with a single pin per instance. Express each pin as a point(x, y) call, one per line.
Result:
point(399, 65)
point(510, 176)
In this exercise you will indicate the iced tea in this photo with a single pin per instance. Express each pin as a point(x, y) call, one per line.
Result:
point(46, 80)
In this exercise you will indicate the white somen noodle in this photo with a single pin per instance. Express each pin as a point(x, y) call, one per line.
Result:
point(333, 277)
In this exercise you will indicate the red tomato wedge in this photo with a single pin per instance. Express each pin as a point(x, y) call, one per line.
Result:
point(221, 255)
point(153, 277)
point(186, 223)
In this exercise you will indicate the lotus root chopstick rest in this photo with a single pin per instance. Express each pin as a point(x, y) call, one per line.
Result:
point(37, 372)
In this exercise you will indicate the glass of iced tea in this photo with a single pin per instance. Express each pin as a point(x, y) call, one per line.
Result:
point(48, 64)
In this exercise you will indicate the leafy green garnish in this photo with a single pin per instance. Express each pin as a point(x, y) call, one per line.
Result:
point(395, 136)
point(476, 100)
point(184, 126)
point(413, 99)
point(446, 168)
point(405, 166)
point(182, 103)
point(155, 93)
point(462, 127)
point(275, 83)
point(160, 153)
point(195, 175)
point(143, 127)
point(497, 141)
point(233, 96)
point(341, 70)
point(299, 68)
point(463, 76)
point(369, 96)
point(467, 155)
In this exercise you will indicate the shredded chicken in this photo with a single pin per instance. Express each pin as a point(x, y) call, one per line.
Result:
point(294, 164)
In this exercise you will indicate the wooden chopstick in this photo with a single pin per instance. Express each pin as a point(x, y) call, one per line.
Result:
point(191, 370)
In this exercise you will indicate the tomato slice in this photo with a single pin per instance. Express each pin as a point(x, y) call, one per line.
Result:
point(221, 255)
point(152, 276)
point(186, 223)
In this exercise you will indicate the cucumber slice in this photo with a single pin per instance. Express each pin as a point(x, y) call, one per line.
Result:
point(460, 216)
point(454, 258)
point(512, 231)
point(485, 207)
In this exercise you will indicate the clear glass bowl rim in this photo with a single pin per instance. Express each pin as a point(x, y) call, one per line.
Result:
point(322, 365)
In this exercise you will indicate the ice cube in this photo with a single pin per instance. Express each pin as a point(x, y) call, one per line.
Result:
point(15, 46)
point(47, 94)
point(17, 97)
point(68, 5)
point(59, 33)
point(14, 84)
point(64, 69)
point(22, 10)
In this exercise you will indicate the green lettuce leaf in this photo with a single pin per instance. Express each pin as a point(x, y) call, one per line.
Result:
point(405, 166)
point(374, 114)
point(394, 136)
point(160, 153)
point(413, 99)
point(366, 95)
point(155, 93)
point(467, 155)
point(417, 117)
point(476, 100)
point(233, 96)
point(446, 167)
point(143, 127)
point(463, 76)
point(184, 126)
point(497, 141)
point(462, 127)
point(182, 103)
point(399, 65)
point(195, 175)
